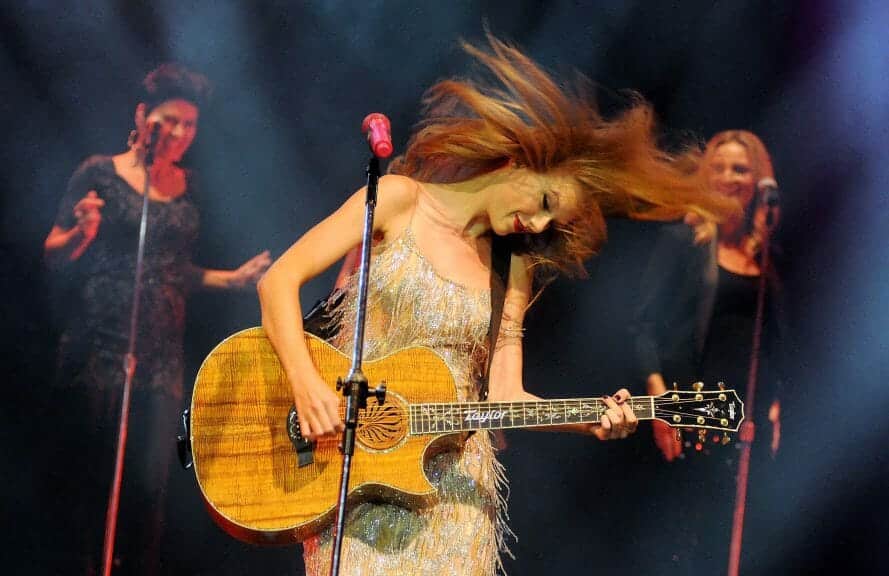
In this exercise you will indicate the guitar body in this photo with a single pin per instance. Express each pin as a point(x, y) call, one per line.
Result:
point(243, 439)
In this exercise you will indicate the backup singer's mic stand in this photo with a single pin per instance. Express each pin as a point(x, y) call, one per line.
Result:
point(129, 368)
point(355, 387)
point(734, 560)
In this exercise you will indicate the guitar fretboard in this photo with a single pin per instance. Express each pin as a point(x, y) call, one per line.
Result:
point(467, 416)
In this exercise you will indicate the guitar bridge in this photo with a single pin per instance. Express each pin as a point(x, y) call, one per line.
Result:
point(304, 448)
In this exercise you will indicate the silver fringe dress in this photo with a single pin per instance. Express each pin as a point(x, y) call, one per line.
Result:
point(409, 304)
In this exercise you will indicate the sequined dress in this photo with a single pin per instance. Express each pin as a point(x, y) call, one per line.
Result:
point(409, 304)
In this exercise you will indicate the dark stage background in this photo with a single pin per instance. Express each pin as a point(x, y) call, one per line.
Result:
point(280, 147)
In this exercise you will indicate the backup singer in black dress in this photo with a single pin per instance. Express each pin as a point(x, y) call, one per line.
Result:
point(695, 321)
point(91, 250)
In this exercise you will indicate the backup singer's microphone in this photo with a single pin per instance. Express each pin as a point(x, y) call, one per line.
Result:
point(153, 128)
point(769, 190)
point(376, 126)
point(151, 141)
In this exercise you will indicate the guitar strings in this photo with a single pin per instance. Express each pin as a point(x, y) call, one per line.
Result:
point(429, 414)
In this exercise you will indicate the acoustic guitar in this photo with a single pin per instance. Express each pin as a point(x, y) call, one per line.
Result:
point(264, 483)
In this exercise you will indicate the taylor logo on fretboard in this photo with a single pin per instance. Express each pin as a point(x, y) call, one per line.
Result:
point(265, 483)
point(482, 416)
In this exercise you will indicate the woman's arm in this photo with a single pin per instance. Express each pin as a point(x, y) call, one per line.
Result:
point(505, 378)
point(67, 245)
point(247, 274)
point(60, 244)
point(317, 405)
point(670, 278)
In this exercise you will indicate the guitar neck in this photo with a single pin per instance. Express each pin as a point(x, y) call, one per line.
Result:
point(469, 416)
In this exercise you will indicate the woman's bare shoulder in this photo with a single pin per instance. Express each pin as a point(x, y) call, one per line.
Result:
point(399, 190)
point(397, 199)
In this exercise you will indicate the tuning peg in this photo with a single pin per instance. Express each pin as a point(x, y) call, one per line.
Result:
point(702, 436)
point(726, 439)
point(721, 385)
point(697, 386)
point(675, 387)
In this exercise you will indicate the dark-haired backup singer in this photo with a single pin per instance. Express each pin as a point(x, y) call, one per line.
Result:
point(522, 160)
point(91, 251)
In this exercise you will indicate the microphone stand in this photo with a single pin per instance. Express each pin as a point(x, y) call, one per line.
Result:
point(129, 368)
point(355, 387)
point(748, 428)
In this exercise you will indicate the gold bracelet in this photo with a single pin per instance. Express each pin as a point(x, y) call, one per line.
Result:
point(512, 330)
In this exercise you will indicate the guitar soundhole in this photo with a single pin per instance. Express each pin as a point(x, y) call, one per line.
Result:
point(382, 427)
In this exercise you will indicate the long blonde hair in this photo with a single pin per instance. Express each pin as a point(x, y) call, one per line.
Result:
point(470, 128)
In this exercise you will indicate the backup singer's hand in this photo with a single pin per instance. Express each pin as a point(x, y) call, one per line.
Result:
point(705, 230)
point(667, 440)
point(619, 421)
point(88, 213)
point(317, 407)
point(775, 419)
point(252, 270)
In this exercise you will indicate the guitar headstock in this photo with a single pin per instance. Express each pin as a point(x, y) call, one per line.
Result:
point(698, 408)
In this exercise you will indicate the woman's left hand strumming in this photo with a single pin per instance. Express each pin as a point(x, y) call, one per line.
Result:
point(618, 421)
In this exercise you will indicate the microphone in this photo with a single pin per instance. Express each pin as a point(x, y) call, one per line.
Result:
point(769, 190)
point(151, 140)
point(379, 137)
